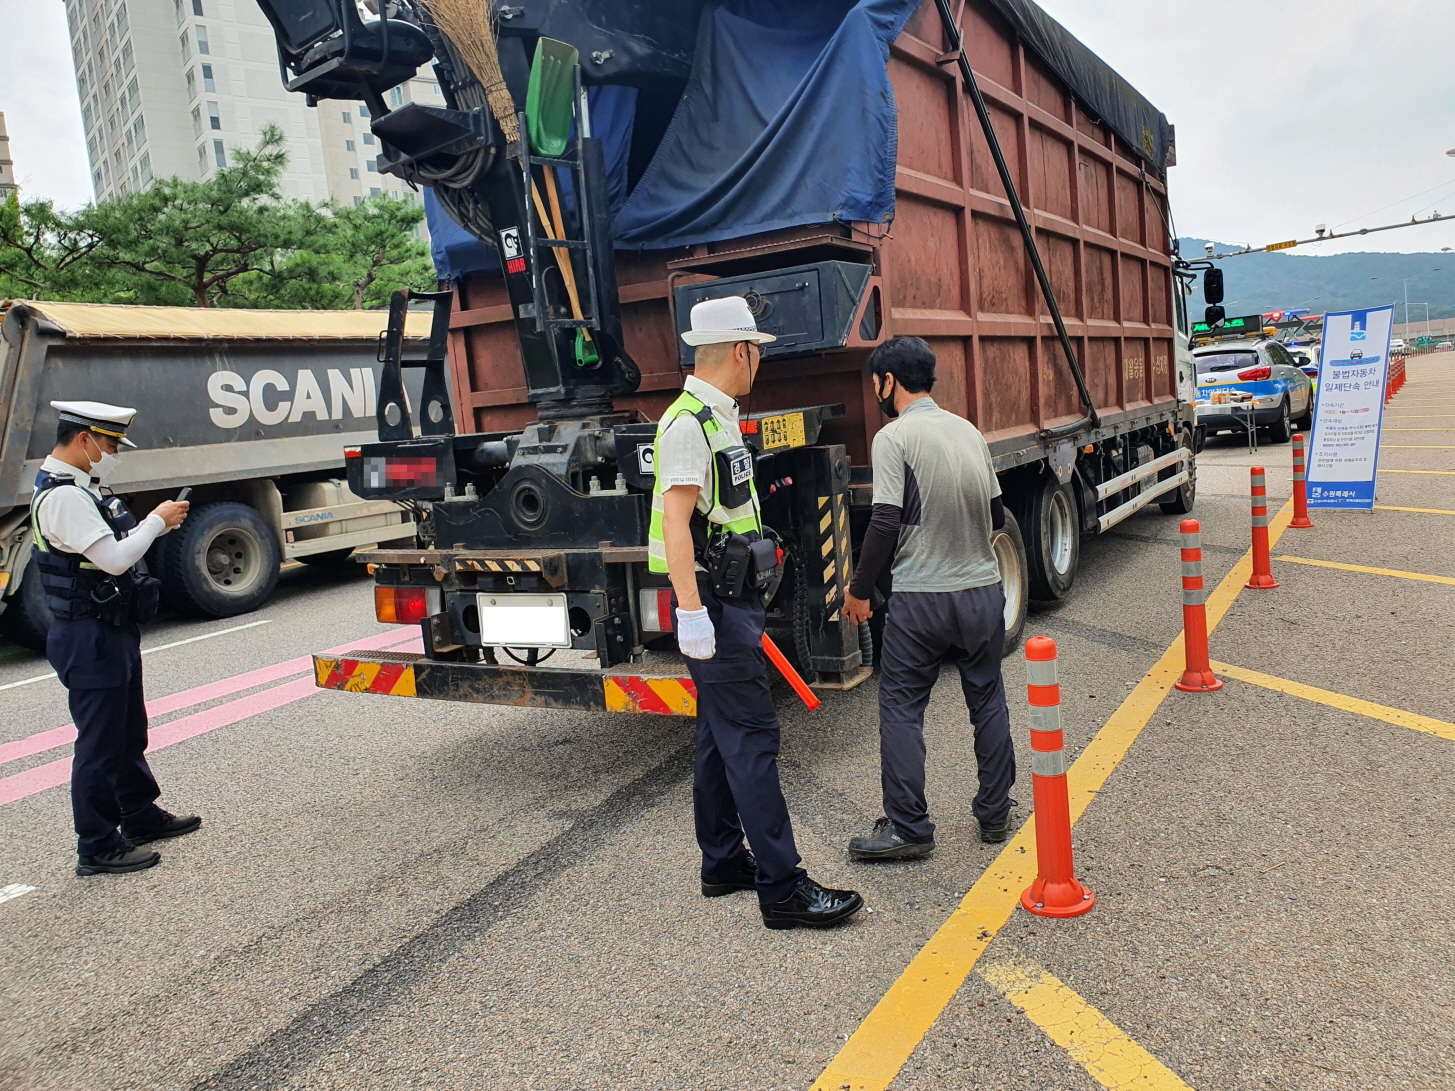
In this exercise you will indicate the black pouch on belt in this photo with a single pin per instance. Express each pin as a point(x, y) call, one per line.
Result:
point(739, 563)
point(146, 597)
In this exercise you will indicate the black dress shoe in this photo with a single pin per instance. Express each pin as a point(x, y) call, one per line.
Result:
point(162, 825)
point(993, 834)
point(118, 861)
point(887, 843)
point(812, 906)
point(745, 878)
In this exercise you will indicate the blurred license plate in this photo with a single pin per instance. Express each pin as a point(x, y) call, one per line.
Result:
point(524, 621)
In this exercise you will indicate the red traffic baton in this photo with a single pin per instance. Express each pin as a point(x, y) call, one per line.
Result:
point(1300, 485)
point(1262, 564)
point(790, 675)
point(1055, 893)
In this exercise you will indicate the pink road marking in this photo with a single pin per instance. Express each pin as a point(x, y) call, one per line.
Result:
point(55, 773)
point(63, 736)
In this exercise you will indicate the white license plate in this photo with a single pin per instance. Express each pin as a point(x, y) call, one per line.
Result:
point(524, 621)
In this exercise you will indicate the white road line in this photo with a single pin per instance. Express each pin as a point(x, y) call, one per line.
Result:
point(158, 648)
point(14, 890)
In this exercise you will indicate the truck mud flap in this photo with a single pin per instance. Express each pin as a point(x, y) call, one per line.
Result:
point(404, 674)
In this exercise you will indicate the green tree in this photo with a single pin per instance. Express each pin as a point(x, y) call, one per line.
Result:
point(359, 255)
point(229, 240)
point(183, 242)
point(43, 254)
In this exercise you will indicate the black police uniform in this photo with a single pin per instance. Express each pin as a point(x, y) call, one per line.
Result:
point(736, 788)
point(95, 648)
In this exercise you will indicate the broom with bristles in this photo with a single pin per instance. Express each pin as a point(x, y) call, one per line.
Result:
point(469, 26)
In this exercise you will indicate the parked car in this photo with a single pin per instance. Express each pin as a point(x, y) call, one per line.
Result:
point(1397, 346)
point(1239, 380)
point(1445, 346)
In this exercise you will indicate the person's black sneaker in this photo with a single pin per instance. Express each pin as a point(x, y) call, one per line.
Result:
point(161, 825)
point(745, 878)
point(118, 861)
point(812, 906)
point(993, 834)
point(887, 843)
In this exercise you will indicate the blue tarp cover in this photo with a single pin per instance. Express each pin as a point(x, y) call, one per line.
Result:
point(788, 119)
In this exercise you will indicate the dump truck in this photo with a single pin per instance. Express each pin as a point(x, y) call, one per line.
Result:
point(250, 408)
point(968, 173)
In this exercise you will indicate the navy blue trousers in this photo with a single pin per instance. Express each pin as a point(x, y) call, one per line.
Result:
point(111, 783)
point(925, 629)
point(735, 789)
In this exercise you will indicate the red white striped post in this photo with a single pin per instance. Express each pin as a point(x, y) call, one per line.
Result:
point(1262, 564)
point(1300, 485)
point(1198, 677)
point(1055, 893)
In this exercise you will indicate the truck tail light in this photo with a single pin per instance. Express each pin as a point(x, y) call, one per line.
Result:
point(1254, 374)
point(656, 608)
point(400, 605)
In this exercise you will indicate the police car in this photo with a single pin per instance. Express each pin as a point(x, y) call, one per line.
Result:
point(1239, 380)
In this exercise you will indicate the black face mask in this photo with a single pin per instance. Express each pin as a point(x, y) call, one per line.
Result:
point(886, 405)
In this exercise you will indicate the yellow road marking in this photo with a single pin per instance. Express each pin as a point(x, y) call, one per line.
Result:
point(1373, 571)
point(1441, 473)
point(1397, 716)
point(891, 1032)
point(1427, 511)
point(1094, 1042)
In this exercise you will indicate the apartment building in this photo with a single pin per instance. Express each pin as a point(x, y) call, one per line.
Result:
point(7, 165)
point(176, 87)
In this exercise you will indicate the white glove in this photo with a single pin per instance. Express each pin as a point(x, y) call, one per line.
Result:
point(695, 635)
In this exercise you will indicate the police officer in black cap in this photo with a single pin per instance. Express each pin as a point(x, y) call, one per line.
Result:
point(87, 547)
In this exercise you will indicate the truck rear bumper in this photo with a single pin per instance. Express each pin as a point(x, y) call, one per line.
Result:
point(404, 674)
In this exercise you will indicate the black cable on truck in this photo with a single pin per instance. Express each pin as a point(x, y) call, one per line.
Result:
point(957, 46)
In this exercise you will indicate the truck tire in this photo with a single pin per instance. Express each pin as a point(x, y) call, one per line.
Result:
point(28, 618)
point(1052, 534)
point(1182, 500)
point(1010, 555)
point(1281, 430)
point(221, 562)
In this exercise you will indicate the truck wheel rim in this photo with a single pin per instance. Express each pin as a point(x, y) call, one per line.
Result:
point(234, 560)
point(1059, 529)
point(1011, 577)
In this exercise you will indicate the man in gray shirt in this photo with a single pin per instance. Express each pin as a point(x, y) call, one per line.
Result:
point(936, 507)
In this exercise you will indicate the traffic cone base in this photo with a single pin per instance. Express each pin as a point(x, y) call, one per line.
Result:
point(1198, 682)
point(1301, 522)
point(1064, 899)
point(1262, 581)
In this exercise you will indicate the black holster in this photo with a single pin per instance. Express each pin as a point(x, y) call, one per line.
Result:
point(739, 564)
point(135, 604)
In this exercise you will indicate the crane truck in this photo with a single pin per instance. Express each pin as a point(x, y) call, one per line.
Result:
point(968, 173)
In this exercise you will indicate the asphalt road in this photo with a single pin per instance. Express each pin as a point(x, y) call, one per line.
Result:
point(397, 893)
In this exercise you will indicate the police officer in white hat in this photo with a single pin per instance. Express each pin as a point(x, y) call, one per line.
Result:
point(87, 547)
point(707, 534)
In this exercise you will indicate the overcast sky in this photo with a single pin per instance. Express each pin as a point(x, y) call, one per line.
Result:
point(1288, 112)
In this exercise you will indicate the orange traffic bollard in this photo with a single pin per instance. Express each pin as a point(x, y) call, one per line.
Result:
point(1198, 677)
point(1300, 485)
point(1262, 564)
point(1055, 893)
